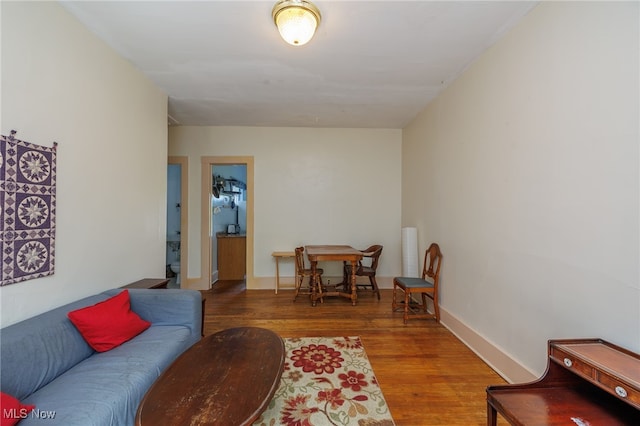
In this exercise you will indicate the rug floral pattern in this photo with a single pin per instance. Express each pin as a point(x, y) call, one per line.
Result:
point(327, 381)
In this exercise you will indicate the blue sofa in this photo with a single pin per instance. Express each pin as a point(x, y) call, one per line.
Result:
point(44, 360)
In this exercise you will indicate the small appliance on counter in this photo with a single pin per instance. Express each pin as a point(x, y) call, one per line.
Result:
point(233, 229)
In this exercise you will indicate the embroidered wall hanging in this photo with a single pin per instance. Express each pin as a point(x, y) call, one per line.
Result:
point(28, 203)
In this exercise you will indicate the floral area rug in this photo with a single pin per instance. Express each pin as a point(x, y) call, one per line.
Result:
point(327, 381)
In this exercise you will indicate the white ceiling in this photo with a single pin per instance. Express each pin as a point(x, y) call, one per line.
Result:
point(371, 64)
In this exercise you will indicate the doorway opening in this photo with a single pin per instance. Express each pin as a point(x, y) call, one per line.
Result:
point(177, 202)
point(227, 219)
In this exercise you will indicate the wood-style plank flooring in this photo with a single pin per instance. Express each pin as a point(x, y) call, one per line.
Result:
point(427, 376)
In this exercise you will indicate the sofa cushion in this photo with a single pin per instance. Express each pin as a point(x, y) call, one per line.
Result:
point(12, 410)
point(167, 307)
point(106, 388)
point(38, 349)
point(109, 323)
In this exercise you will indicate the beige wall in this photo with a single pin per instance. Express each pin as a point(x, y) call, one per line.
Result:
point(60, 83)
point(528, 166)
point(311, 186)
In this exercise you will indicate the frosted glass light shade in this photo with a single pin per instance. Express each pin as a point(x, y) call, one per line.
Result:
point(296, 20)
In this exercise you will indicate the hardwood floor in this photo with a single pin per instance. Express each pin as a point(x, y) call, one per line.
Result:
point(427, 376)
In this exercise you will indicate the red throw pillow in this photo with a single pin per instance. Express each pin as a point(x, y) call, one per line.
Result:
point(13, 410)
point(108, 324)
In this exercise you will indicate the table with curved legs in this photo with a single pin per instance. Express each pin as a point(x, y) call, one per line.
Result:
point(337, 253)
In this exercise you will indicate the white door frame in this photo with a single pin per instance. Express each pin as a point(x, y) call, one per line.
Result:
point(205, 226)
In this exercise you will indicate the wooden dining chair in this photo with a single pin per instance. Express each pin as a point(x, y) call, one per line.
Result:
point(302, 272)
point(366, 268)
point(427, 287)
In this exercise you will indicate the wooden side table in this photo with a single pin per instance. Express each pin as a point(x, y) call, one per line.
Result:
point(278, 255)
point(587, 382)
point(149, 283)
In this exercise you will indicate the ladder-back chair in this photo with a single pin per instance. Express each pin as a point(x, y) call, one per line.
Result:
point(366, 268)
point(302, 272)
point(427, 287)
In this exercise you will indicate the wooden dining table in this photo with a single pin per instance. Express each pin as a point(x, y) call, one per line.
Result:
point(332, 253)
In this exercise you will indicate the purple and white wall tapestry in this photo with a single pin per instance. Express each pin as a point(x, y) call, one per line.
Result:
point(28, 203)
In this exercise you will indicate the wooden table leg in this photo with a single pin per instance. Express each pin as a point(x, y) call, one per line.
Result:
point(314, 284)
point(354, 293)
point(491, 415)
point(277, 275)
point(204, 301)
point(318, 283)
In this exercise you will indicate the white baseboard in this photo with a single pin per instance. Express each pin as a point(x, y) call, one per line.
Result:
point(195, 284)
point(508, 368)
point(269, 283)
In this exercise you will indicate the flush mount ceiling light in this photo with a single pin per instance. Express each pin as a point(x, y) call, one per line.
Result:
point(296, 20)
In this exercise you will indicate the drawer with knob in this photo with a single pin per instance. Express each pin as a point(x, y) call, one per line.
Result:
point(611, 368)
point(573, 363)
point(623, 390)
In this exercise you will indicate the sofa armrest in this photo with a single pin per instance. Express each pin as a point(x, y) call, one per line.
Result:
point(167, 306)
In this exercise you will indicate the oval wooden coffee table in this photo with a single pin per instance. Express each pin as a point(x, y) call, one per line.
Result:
point(227, 379)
